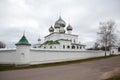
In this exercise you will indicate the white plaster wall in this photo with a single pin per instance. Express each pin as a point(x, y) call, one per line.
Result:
point(65, 43)
point(23, 52)
point(56, 36)
point(48, 56)
point(8, 57)
point(114, 50)
point(39, 56)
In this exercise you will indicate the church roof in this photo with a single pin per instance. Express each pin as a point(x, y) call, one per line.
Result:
point(64, 40)
point(59, 33)
point(69, 27)
point(23, 41)
point(59, 23)
point(51, 42)
point(77, 44)
point(51, 29)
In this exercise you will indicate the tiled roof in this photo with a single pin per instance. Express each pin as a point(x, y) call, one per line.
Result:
point(23, 41)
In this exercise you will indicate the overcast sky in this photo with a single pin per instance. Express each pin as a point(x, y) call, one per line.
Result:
point(36, 16)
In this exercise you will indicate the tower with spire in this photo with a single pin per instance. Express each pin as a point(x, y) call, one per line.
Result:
point(23, 50)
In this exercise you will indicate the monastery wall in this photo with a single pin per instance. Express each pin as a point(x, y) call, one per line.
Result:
point(37, 56)
point(8, 56)
point(49, 56)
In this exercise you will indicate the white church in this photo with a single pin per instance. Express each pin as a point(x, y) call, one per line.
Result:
point(60, 37)
point(60, 45)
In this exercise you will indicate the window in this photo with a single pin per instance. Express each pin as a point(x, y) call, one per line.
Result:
point(50, 47)
point(80, 47)
point(63, 46)
point(68, 47)
point(112, 51)
point(77, 47)
point(73, 47)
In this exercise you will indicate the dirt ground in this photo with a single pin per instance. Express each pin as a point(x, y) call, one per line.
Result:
point(92, 70)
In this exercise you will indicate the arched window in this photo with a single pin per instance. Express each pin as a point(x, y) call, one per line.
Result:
point(63, 46)
point(68, 47)
point(80, 47)
point(77, 47)
point(50, 47)
point(73, 47)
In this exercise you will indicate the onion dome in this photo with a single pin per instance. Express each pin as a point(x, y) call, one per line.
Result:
point(56, 26)
point(23, 41)
point(69, 27)
point(62, 31)
point(59, 23)
point(51, 29)
point(39, 39)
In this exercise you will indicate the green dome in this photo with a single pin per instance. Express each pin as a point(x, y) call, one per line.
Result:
point(23, 41)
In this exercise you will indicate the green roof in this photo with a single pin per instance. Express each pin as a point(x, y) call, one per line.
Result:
point(23, 41)
point(51, 42)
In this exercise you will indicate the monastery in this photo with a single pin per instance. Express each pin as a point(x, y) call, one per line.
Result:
point(60, 37)
point(60, 45)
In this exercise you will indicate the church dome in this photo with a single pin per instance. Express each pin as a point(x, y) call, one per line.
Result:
point(60, 23)
point(51, 29)
point(39, 39)
point(69, 27)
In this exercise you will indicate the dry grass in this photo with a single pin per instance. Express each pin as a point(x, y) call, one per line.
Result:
point(111, 75)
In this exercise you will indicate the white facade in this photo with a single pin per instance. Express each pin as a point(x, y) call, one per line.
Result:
point(57, 36)
point(64, 38)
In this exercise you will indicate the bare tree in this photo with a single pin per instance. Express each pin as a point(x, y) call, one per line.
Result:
point(107, 35)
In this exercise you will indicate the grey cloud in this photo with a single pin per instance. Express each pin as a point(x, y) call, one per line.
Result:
point(36, 16)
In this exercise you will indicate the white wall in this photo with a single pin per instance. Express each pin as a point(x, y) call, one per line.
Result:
point(41, 56)
point(8, 56)
point(23, 52)
point(35, 56)
point(57, 36)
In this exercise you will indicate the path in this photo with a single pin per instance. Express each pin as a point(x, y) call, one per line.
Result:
point(81, 71)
